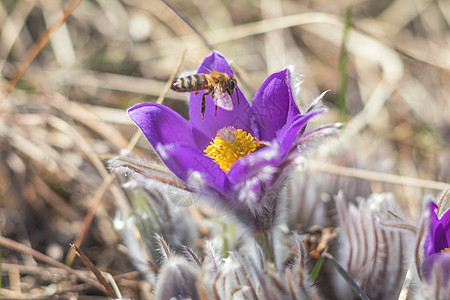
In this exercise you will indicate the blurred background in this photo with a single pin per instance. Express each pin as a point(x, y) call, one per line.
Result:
point(63, 108)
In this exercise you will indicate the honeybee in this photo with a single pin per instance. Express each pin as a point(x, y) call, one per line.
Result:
point(220, 84)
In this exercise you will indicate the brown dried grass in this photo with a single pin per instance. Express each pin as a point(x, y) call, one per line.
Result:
point(62, 109)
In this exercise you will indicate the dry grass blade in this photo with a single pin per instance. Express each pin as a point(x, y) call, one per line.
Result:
point(377, 176)
point(90, 216)
point(109, 290)
point(55, 200)
point(87, 79)
point(35, 151)
point(82, 143)
point(229, 34)
point(37, 47)
point(11, 25)
point(269, 25)
point(406, 292)
point(185, 20)
point(160, 100)
point(8, 243)
point(83, 115)
point(81, 64)
point(169, 82)
point(274, 41)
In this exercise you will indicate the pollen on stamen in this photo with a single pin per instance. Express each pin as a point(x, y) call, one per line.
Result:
point(229, 145)
point(446, 250)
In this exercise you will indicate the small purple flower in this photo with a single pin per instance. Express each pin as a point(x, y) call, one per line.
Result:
point(437, 242)
point(438, 239)
point(239, 157)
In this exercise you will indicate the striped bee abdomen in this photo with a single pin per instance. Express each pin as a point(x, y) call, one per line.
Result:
point(191, 83)
point(218, 85)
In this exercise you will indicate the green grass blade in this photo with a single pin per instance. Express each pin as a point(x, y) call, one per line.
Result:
point(343, 61)
point(358, 291)
point(317, 268)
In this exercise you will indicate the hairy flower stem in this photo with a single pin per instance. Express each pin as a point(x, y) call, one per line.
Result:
point(265, 241)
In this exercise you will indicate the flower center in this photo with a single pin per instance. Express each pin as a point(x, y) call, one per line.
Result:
point(229, 145)
point(446, 250)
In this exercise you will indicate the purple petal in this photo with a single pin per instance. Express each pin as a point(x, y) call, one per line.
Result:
point(430, 241)
point(240, 117)
point(183, 160)
point(445, 221)
point(287, 135)
point(274, 105)
point(440, 238)
point(433, 222)
point(253, 163)
point(255, 176)
point(161, 125)
point(429, 248)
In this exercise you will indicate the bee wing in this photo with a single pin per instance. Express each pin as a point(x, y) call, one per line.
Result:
point(222, 99)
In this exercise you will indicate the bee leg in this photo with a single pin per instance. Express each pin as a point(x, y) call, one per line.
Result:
point(215, 108)
point(204, 101)
point(203, 105)
point(231, 96)
point(237, 93)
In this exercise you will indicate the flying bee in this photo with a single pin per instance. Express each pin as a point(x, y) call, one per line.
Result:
point(220, 84)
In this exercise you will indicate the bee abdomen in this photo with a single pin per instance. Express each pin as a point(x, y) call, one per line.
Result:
point(190, 83)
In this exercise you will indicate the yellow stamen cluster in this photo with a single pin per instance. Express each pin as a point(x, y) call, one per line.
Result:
point(229, 145)
point(445, 250)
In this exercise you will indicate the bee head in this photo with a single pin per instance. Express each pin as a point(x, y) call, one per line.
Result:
point(232, 84)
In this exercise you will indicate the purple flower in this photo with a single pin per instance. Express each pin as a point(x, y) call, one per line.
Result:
point(437, 243)
point(438, 239)
point(239, 157)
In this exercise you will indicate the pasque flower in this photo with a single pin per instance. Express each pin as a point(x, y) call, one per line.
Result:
point(240, 157)
point(437, 241)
